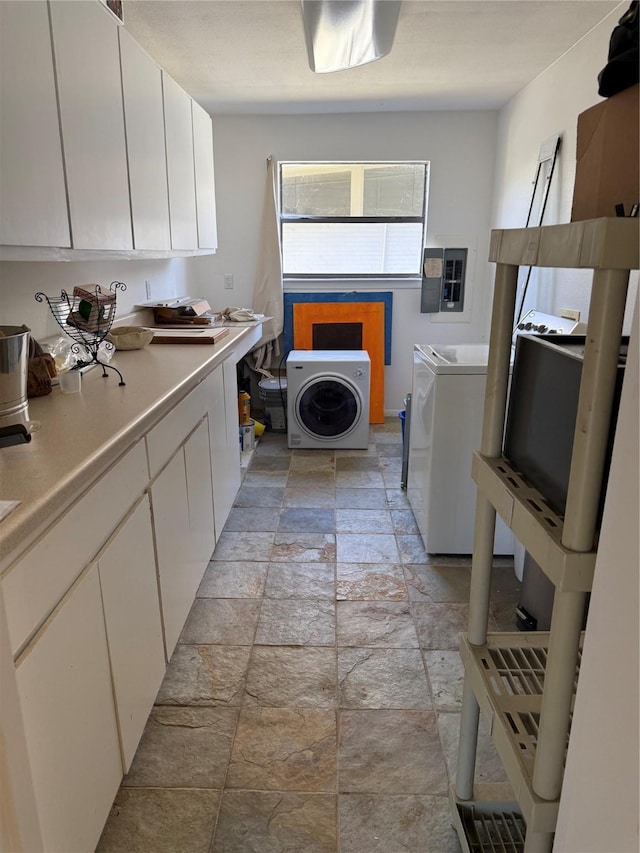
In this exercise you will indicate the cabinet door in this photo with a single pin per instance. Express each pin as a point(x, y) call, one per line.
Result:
point(180, 167)
point(134, 630)
point(87, 58)
point(171, 530)
point(34, 203)
point(69, 717)
point(146, 153)
point(205, 184)
point(197, 455)
point(225, 448)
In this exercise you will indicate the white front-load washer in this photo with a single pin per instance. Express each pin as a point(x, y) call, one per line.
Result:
point(328, 398)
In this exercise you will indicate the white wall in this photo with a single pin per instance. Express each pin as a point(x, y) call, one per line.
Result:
point(21, 280)
point(461, 148)
point(547, 106)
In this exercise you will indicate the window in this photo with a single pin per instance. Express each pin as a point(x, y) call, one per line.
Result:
point(360, 220)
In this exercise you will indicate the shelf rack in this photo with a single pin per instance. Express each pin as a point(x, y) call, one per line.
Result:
point(524, 684)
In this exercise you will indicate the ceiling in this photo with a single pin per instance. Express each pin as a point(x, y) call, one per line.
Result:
point(249, 56)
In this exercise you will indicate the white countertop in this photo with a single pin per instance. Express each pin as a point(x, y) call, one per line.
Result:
point(82, 435)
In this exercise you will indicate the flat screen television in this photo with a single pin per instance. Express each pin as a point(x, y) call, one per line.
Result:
point(542, 412)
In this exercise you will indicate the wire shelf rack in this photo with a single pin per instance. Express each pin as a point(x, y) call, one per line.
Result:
point(86, 317)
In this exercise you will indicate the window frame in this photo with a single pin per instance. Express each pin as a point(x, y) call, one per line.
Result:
point(283, 218)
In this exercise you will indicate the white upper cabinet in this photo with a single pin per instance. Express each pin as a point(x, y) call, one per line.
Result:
point(205, 185)
point(87, 57)
point(144, 121)
point(180, 168)
point(33, 211)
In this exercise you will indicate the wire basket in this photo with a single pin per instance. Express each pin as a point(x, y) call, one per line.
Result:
point(86, 317)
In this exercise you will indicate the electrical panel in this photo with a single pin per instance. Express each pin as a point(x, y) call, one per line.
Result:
point(443, 278)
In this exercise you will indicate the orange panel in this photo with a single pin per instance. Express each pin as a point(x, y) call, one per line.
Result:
point(371, 315)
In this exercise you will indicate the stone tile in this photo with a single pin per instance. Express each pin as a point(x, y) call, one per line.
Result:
point(388, 436)
point(362, 452)
point(296, 623)
point(205, 675)
point(366, 548)
point(265, 822)
point(160, 820)
point(389, 450)
point(303, 547)
point(281, 749)
point(391, 464)
point(439, 625)
point(411, 548)
point(184, 748)
point(370, 582)
point(253, 518)
point(260, 496)
point(269, 462)
point(222, 621)
point(311, 520)
point(360, 499)
point(233, 547)
point(283, 677)
point(388, 752)
point(272, 444)
point(404, 522)
point(391, 478)
point(385, 824)
point(397, 498)
point(363, 521)
point(438, 583)
point(310, 496)
point(359, 480)
point(382, 678)
point(304, 479)
point(384, 624)
point(301, 580)
point(233, 580)
point(446, 676)
point(322, 462)
point(368, 462)
point(268, 479)
point(488, 766)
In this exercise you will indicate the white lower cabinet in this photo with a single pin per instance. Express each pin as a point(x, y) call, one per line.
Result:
point(225, 448)
point(184, 530)
point(134, 629)
point(69, 719)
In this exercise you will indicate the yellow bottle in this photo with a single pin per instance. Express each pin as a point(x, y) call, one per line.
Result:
point(244, 408)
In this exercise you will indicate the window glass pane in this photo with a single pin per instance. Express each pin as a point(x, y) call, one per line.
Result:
point(327, 248)
point(316, 193)
point(394, 190)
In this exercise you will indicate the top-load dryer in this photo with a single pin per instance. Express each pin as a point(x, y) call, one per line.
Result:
point(328, 398)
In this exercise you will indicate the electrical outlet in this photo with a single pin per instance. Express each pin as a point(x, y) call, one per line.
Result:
point(147, 285)
point(570, 314)
point(228, 281)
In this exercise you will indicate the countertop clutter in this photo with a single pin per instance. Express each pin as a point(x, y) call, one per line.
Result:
point(80, 436)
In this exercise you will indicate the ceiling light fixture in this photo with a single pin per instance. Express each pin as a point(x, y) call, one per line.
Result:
point(343, 34)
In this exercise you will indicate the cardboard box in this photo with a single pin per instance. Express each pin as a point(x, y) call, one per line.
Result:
point(607, 157)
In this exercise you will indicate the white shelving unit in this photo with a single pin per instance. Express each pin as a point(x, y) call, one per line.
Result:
point(524, 683)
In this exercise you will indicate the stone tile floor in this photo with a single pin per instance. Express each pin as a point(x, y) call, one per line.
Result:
point(312, 703)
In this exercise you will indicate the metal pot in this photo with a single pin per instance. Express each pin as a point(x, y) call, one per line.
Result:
point(14, 365)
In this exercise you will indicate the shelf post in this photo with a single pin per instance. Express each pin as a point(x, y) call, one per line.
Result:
point(468, 743)
point(602, 347)
point(504, 300)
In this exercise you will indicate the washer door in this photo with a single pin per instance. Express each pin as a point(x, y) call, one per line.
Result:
point(328, 407)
